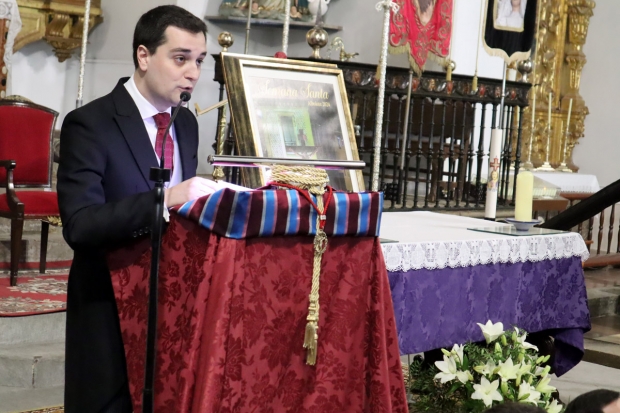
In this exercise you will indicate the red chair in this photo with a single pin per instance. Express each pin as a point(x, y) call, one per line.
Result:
point(26, 162)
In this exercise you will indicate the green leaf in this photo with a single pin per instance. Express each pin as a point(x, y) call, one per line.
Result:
point(454, 387)
point(465, 362)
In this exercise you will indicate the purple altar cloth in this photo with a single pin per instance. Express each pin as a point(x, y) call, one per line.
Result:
point(438, 308)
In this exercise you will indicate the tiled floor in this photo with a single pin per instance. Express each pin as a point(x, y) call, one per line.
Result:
point(605, 328)
point(600, 278)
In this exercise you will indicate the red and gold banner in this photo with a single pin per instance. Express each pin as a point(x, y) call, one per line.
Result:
point(421, 28)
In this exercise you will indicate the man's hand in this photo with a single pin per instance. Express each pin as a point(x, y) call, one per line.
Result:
point(189, 190)
point(195, 187)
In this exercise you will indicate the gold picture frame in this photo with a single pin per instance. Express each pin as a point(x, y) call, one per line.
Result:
point(290, 109)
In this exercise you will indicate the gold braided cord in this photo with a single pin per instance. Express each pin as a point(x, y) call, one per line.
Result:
point(304, 177)
point(314, 181)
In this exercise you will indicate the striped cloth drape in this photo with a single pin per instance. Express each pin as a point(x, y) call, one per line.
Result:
point(269, 212)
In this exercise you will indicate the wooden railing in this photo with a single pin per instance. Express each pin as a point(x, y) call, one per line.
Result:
point(584, 212)
point(447, 145)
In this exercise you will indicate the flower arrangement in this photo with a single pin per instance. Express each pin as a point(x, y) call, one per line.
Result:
point(473, 377)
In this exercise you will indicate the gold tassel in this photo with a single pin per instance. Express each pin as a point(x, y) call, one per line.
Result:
point(311, 342)
point(314, 180)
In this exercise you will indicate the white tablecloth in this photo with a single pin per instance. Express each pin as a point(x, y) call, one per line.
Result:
point(430, 240)
point(571, 182)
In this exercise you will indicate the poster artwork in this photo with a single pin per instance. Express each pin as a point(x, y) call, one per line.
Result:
point(298, 119)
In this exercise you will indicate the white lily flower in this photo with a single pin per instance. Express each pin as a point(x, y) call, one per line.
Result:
point(523, 343)
point(553, 407)
point(447, 369)
point(491, 331)
point(525, 368)
point(544, 387)
point(457, 350)
point(464, 376)
point(528, 394)
point(540, 371)
point(507, 370)
point(487, 369)
point(487, 392)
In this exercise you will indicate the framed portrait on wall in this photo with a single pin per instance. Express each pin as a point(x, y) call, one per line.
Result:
point(509, 15)
point(290, 109)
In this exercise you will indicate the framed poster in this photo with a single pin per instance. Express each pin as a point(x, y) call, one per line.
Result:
point(290, 109)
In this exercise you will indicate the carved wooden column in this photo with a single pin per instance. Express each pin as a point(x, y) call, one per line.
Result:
point(579, 14)
point(559, 60)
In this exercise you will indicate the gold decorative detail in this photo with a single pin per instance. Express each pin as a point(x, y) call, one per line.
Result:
point(316, 38)
point(314, 180)
point(336, 44)
point(218, 171)
point(225, 39)
point(55, 221)
point(559, 61)
point(58, 22)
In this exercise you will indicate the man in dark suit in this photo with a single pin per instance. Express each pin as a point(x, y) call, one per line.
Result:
point(106, 198)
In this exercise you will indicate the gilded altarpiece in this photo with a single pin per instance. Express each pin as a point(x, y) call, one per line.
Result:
point(559, 61)
point(59, 22)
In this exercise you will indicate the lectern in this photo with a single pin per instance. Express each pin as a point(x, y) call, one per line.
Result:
point(235, 273)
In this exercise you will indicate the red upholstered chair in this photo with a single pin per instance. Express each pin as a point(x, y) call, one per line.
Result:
point(26, 162)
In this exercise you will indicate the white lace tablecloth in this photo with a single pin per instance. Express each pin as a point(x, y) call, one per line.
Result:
point(571, 182)
point(430, 240)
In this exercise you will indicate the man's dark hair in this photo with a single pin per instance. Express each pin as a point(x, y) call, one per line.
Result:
point(515, 408)
point(150, 28)
point(592, 402)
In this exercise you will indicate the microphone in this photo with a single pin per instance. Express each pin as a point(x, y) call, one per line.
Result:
point(185, 96)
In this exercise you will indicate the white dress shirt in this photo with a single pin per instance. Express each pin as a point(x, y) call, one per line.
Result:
point(147, 111)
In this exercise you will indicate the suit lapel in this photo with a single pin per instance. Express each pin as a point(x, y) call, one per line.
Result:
point(184, 144)
point(132, 127)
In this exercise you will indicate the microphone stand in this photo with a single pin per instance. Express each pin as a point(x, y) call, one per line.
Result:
point(160, 176)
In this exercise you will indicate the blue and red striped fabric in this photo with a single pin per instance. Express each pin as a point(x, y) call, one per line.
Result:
point(264, 213)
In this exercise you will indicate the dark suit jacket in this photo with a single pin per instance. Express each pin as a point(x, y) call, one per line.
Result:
point(106, 199)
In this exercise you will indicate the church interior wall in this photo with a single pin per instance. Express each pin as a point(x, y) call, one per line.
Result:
point(39, 76)
point(598, 152)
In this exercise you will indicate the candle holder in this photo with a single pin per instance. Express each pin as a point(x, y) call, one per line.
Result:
point(563, 167)
point(523, 225)
point(546, 167)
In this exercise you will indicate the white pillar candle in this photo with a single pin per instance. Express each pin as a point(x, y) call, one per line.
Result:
point(524, 196)
point(549, 116)
point(570, 109)
point(534, 109)
point(490, 206)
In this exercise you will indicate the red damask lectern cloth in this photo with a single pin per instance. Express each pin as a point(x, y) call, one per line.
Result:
point(232, 315)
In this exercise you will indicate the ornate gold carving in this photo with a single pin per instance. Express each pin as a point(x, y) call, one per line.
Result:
point(58, 22)
point(559, 61)
point(18, 98)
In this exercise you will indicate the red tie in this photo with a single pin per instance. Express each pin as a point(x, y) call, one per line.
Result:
point(162, 120)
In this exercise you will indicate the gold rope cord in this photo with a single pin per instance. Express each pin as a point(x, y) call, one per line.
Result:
point(314, 180)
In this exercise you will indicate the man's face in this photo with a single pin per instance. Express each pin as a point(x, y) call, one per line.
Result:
point(172, 69)
point(613, 407)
